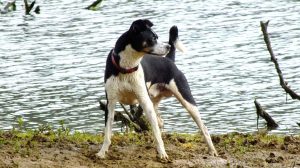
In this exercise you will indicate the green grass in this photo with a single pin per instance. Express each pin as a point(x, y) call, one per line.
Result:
point(23, 140)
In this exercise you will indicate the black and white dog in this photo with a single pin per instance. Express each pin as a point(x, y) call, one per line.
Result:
point(134, 77)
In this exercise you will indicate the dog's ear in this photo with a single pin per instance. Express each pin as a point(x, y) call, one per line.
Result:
point(140, 25)
point(148, 22)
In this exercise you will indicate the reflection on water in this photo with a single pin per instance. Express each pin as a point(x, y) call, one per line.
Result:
point(52, 64)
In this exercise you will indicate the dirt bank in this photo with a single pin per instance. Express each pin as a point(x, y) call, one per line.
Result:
point(49, 149)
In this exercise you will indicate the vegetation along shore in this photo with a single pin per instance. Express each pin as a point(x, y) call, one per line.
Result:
point(48, 147)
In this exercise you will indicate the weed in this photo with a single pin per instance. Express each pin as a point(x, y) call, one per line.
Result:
point(20, 122)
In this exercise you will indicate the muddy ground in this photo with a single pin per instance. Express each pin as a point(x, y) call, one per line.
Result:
point(133, 150)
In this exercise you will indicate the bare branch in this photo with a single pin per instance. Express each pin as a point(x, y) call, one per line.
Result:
point(31, 6)
point(271, 124)
point(94, 4)
point(126, 111)
point(283, 83)
point(10, 4)
point(133, 119)
point(28, 7)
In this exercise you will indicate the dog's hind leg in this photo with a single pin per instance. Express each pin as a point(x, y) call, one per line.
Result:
point(108, 128)
point(181, 91)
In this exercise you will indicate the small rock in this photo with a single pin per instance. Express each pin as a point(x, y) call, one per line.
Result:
point(287, 140)
point(271, 160)
point(148, 147)
point(253, 142)
point(216, 139)
point(181, 140)
point(280, 159)
point(283, 147)
point(272, 155)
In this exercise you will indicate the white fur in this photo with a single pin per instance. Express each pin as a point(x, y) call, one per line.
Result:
point(132, 85)
point(130, 58)
point(157, 95)
point(160, 49)
point(130, 89)
point(193, 110)
point(180, 46)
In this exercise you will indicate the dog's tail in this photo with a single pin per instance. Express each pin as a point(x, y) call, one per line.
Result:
point(175, 43)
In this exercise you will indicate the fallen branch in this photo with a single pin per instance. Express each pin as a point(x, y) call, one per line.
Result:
point(139, 118)
point(37, 10)
point(10, 6)
point(94, 5)
point(28, 7)
point(271, 124)
point(133, 120)
point(283, 83)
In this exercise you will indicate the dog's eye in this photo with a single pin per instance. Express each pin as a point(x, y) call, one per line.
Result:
point(150, 42)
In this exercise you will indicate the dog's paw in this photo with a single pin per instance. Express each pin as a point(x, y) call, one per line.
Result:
point(163, 156)
point(100, 154)
point(163, 159)
point(213, 152)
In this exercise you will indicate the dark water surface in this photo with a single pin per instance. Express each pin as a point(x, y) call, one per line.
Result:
point(52, 64)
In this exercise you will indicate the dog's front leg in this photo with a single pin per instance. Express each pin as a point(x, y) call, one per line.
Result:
point(108, 129)
point(148, 108)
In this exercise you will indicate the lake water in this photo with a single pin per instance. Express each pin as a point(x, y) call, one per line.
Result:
point(52, 64)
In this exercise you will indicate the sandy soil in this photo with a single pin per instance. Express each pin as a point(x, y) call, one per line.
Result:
point(235, 150)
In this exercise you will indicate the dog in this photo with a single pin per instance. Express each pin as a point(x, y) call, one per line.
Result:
point(174, 44)
point(136, 73)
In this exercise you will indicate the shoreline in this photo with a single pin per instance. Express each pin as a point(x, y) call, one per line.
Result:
point(46, 147)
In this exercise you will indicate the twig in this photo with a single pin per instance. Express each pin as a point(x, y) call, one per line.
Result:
point(271, 124)
point(10, 4)
point(31, 6)
point(139, 118)
point(37, 10)
point(126, 111)
point(283, 83)
point(28, 7)
point(94, 4)
point(126, 120)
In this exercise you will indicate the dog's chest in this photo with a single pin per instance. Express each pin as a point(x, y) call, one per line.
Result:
point(127, 87)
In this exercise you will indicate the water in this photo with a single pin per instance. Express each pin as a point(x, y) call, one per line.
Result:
point(52, 64)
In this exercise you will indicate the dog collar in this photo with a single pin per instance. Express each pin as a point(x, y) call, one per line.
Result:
point(122, 70)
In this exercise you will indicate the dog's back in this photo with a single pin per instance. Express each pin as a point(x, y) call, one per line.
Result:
point(127, 71)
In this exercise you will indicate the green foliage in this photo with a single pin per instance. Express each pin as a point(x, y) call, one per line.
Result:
point(20, 122)
point(23, 141)
point(63, 130)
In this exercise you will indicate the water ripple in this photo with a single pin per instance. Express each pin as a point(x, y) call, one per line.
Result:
point(52, 64)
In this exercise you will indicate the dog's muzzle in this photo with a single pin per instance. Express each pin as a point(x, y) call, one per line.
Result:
point(160, 49)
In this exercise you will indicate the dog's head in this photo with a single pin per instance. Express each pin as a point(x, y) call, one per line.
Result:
point(144, 39)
